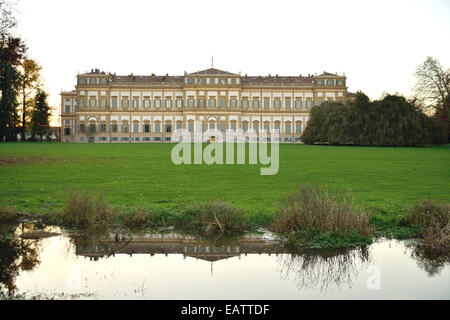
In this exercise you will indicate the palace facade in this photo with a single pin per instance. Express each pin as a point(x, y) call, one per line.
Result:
point(106, 108)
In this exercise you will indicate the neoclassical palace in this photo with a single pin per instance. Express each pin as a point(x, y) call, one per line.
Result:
point(106, 107)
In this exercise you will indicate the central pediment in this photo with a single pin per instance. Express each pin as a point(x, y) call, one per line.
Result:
point(212, 71)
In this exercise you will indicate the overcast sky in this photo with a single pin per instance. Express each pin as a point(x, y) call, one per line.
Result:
point(378, 44)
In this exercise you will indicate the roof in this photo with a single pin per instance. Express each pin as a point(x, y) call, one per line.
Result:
point(212, 71)
point(277, 80)
point(327, 74)
point(153, 79)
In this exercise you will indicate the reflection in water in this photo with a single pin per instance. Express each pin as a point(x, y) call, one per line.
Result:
point(16, 255)
point(313, 270)
point(429, 259)
point(323, 269)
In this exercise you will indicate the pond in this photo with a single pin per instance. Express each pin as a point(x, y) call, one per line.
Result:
point(172, 265)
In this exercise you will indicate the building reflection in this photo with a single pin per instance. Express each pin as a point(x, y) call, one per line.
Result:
point(176, 243)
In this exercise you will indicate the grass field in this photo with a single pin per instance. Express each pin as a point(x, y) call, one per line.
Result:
point(36, 177)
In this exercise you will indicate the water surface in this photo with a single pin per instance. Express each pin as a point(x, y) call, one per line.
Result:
point(171, 265)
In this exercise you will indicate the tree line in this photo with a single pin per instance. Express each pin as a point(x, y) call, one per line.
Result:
point(23, 101)
point(391, 121)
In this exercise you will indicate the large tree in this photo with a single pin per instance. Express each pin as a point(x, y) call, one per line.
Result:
point(12, 53)
point(391, 121)
point(29, 82)
point(432, 90)
point(41, 115)
point(7, 19)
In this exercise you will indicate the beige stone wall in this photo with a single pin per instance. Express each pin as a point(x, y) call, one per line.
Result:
point(97, 107)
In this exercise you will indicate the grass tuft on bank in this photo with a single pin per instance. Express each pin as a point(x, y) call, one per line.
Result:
point(432, 222)
point(320, 217)
point(82, 211)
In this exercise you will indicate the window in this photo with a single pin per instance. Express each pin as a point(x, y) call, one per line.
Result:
point(114, 127)
point(223, 81)
point(135, 127)
point(212, 103)
point(124, 139)
point(179, 126)
point(81, 127)
point(125, 103)
point(81, 103)
point(277, 103)
point(233, 126)
point(102, 127)
point(298, 127)
point(201, 81)
point(157, 102)
point(298, 103)
point(81, 139)
point(67, 131)
point(92, 102)
point(146, 128)
point(277, 126)
point(287, 103)
point(233, 103)
point(223, 102)
point(256, 127)
point(157, 139)
point(67, 109)
point(255, 103)
point(157, 127)
point(212, 126)
point(191, 103)
point(191, 127)
point(124, 127)
point(102, 139)
point(114, 139)
point(168, 103)
point(114, 102)
point(245, 126)
point(201, 103)
point(146, 102)
point(244, 104)
point(135, 103)
point(266, 103)
point(191, 81)
point(287, 127)
point(222, 127)
point(212, 81)
point(319, 102)
point(233, 81)
point(179, 103)
point(267, 127)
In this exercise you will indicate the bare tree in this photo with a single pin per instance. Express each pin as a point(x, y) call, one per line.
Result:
point(433, 84)
point(432, 90)
point(7, 19)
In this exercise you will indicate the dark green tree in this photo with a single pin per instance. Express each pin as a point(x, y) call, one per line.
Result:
point(391, 121)
point(41, 115)
point(12, 52)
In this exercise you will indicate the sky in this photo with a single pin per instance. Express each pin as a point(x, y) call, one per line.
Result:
point(377, 44)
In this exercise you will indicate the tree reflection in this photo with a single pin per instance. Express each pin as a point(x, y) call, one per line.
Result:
point(430, 260)
point(323, 269)
point(16, 255)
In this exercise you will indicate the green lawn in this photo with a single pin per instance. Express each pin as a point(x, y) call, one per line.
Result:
point(142, 175)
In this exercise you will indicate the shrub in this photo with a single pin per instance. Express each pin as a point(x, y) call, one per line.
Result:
point(83, 210)
point(433, 222)
point(315, 209)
